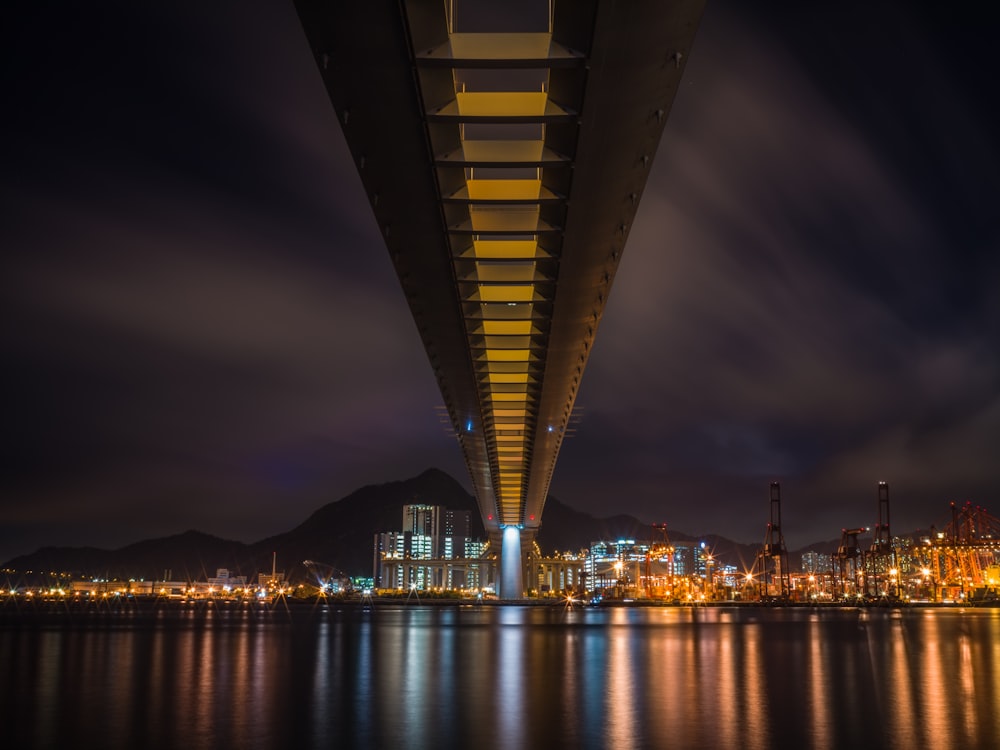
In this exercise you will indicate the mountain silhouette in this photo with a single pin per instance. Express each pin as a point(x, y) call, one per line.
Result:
point(339, 535)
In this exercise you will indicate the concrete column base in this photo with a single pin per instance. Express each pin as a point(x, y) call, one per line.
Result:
point(511, 582)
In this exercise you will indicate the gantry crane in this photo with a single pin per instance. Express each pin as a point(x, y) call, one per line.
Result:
point(771, 564)
point(658, 549)
point(964, 558)
point(850, 562)
point(881, 560)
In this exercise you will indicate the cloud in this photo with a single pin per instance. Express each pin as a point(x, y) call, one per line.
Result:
point(205, 318)
point(769, 318)
point(207, 328)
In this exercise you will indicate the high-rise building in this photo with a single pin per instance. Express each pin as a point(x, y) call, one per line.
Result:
point(816, 562)
point(446, 529)
point(434, 534)
point(456, 523)
point(422, 519)
point(684, 559)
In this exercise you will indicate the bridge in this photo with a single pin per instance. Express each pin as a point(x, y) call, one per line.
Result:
point(504, 149)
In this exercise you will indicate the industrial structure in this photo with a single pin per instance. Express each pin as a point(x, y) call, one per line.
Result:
point(849, 564)
point(504, 149)
point(662, 551)
point(771, 566)
point(882, 563)
point(962, 561)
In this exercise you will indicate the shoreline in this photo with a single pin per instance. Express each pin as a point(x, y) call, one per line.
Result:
point(50, 611)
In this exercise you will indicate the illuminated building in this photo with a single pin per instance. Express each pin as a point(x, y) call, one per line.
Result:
point(424, 520)
point(430, 552)
point(625, 568)
point(226, 580)
point(904, 557)
point(684, 559)
point(817, 562)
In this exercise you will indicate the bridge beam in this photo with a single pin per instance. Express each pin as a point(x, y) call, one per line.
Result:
point(504, 170)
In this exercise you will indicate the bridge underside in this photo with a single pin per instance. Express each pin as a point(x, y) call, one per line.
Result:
point(504, 167)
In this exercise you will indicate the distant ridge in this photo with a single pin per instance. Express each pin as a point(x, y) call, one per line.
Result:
point(191, 555)
point(339, 534)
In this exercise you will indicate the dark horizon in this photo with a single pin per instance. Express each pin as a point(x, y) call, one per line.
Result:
point(204, 329)
point(641, 531)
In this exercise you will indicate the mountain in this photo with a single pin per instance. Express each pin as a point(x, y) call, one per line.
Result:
point(188, 556)
point(339, 535)
point(566, 529)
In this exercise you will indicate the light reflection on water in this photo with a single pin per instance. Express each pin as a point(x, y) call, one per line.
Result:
point(818, 687)
point(504, 677)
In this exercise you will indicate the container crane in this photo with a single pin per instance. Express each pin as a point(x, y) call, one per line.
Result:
point(850, 558)
point(660, 548)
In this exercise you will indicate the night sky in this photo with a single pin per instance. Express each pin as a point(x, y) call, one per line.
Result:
point(202, 328)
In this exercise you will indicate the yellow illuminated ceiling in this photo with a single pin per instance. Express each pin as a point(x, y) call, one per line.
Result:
point(504, 216)
point(501, 104)
point(507, 328)
point(500, 249)
point(506, 272)
point(499, 273)
point(502, 212)
point(496, 218)
point(502, 378)
point(492, 190)
point(524, 46)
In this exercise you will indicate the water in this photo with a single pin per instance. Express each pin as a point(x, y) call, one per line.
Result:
point(502, 677)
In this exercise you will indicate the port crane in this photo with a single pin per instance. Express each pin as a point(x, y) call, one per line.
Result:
point(881, 559)
point(771, 565)
point(659, 549)
point(849, 561)
point(963, 560)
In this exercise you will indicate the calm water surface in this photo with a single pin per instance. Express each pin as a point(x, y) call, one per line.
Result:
point(503, 677)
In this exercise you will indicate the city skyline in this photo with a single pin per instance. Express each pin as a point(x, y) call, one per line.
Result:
point(207, 331)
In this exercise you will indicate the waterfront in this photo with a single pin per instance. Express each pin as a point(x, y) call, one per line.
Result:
point(502, 677)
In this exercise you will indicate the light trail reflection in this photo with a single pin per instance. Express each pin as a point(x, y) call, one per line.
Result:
point(511, 680)
point(818, 687)
point(620, 710)
point(512, 677)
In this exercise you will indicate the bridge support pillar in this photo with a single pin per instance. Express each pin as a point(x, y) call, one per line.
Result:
point(511, 583)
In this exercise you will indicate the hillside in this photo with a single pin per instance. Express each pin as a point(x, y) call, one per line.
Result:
point(339, 534)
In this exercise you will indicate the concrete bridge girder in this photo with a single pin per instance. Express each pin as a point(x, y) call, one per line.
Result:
point(504, 171)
